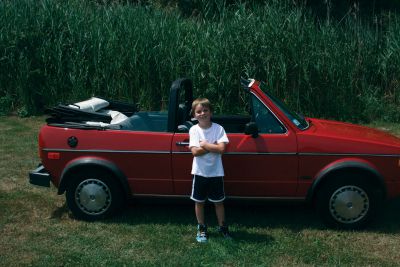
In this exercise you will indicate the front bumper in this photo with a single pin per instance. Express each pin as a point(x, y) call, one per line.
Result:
point(39, 177)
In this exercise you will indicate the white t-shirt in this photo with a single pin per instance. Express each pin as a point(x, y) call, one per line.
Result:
point(209, 164)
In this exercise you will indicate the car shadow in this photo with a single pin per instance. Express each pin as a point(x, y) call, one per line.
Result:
point(249, 237)
point(181, 213)
point(288, 215)
point(291, 216)
point(387, 219)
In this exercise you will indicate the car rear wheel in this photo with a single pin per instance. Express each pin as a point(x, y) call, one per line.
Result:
point(347, 202)
point(93, 195)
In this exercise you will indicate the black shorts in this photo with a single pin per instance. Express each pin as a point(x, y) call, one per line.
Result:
point(207, 187)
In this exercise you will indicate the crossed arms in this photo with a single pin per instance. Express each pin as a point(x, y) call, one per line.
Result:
point(206, 147)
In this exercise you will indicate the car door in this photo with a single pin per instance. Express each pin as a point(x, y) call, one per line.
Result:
point(262, 166)
point(146, 160)
point(142, 153)
point(181, 164)
point(265, 165)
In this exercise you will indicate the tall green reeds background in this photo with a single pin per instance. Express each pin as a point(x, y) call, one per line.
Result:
point(64, 51)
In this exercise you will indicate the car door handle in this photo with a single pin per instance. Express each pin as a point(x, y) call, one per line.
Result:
point(182, 143)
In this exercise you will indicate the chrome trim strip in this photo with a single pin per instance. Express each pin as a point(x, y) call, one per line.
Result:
point(227, 153)
point(252, 81)
point(268, 198)
point(246, 153)
point(161, 196)
point(107, 151)
point(261, 153)
point(227, 197)
point(348, 154)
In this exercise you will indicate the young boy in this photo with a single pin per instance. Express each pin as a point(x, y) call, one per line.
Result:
point(207, 143)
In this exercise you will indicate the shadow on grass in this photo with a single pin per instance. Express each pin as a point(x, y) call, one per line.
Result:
point(60, 211)
point(244, 236)
point(388, 220)
point(291, 216)
point(283, 215)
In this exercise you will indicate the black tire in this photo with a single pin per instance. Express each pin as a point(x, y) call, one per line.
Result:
point(93, 195)
point(347, 202)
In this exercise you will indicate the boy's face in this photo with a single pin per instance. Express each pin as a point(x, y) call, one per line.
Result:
point(202, 114)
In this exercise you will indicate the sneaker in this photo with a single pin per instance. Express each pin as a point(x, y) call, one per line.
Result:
point(224, 231)
point(201, 233)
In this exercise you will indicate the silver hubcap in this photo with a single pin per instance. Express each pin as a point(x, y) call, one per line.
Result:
point(349, 204)
point(93, 197)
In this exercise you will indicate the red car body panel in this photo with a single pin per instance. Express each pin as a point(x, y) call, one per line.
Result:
point(254, 167)
point(327, 143)
point(283, 165)
point(143, 157)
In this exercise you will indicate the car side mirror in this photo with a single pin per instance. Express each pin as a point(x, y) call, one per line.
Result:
point(182, 129)
point(251, 129)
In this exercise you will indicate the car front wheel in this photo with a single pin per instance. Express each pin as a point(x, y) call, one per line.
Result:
point(93, 195)
point(347, 202)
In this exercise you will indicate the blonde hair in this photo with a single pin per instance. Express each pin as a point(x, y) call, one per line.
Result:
point(201, 101)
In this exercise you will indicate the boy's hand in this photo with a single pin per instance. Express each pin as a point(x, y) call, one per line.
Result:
point(198, 151)
point(215, 147)
point(203, 143)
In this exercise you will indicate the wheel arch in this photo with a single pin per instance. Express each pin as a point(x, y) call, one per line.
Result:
point(347, 166)
point(90, 163)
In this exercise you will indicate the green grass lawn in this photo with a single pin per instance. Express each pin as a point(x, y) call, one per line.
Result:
point(37, 229)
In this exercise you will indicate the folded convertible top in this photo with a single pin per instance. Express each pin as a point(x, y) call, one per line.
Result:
point(94, 110)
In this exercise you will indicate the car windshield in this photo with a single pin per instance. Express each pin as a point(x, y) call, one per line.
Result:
point(297, 119)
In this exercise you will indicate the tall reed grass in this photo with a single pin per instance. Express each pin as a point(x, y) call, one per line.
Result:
point(61, 51)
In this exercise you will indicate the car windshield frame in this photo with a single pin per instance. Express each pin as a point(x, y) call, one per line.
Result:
point(298, 120)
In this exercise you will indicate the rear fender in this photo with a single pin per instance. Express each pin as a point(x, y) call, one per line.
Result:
point(85, 163)
point(343, 165)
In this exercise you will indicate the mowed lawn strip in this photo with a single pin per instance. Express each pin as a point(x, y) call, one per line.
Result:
point(36, 227)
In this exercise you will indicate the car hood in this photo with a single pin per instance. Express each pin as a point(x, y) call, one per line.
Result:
point(341, 137)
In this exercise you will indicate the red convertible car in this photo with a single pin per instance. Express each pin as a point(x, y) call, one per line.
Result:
point(102, 153)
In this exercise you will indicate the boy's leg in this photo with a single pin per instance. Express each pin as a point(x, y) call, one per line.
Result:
point(220, 212)
point(202, 235)
point(223, 228)
point(199, 192)
point(199, 210)
point(217, 196)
